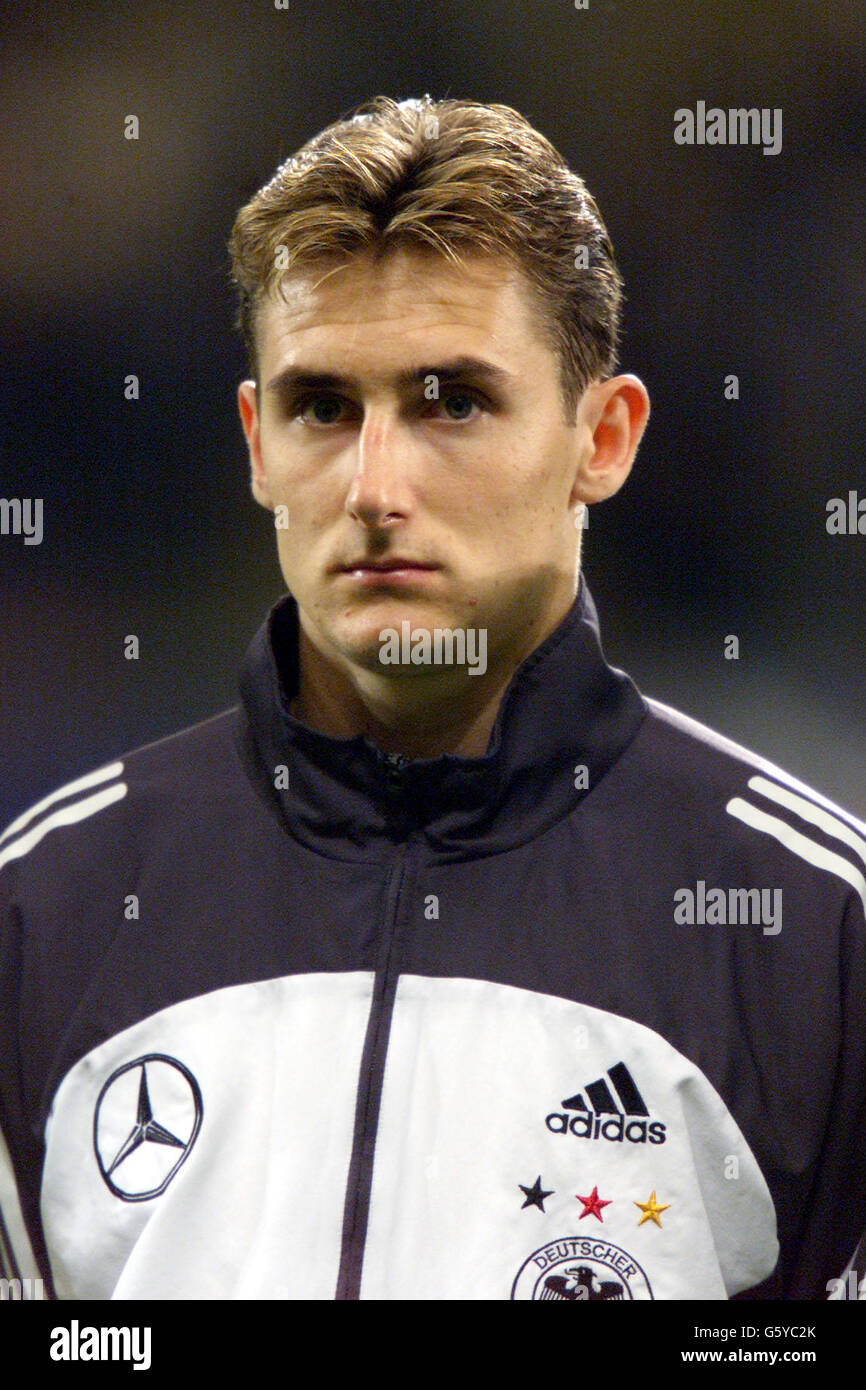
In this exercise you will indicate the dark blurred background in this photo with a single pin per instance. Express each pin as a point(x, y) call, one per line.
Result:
point(113, 262)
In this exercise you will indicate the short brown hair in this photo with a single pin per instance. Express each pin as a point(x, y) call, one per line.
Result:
point(441, 176)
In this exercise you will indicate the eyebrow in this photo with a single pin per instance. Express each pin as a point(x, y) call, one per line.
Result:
point(309, 378)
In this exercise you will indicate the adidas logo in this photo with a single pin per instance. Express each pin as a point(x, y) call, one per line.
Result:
point(602, 1118)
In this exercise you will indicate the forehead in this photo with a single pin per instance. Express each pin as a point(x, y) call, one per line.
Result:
point(406, 301)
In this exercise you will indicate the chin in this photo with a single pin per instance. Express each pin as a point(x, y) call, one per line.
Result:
point(357, 635)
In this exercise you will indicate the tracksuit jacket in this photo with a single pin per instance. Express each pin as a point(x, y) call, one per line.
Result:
point(286, 1017)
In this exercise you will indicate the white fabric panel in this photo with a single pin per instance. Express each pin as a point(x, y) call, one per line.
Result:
point(473, 1071)
point(255, 1208)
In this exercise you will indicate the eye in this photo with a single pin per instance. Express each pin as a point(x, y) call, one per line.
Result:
point(326, 403)
point(466, 398)
point(326, 406)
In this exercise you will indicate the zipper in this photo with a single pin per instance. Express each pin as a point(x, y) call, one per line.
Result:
point(396, 760)
point(356, 1209)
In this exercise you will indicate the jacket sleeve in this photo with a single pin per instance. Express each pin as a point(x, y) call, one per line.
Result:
point(835, 1222)
point(23, 1261)
point(851, 1284)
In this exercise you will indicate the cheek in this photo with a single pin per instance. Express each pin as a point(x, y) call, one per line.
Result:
point(301, 495)
point(514, 500)
point(279, 471)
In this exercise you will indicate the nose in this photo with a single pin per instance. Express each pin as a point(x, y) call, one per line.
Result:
point(379, 492)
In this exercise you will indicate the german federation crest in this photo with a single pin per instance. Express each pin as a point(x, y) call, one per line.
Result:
point(581, 1269)
point(147, 1119)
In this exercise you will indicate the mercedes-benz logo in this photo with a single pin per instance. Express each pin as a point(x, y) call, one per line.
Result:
point(138, 1154)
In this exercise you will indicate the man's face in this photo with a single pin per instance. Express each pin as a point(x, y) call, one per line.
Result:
point(477, 483)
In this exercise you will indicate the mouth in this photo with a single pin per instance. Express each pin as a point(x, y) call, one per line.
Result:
point(382, 572)
point(385, 566)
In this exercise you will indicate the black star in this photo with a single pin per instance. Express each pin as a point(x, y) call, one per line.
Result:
point(534, 1195)
point(146, 1129)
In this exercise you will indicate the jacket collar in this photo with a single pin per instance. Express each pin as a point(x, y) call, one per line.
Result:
point(563, 707)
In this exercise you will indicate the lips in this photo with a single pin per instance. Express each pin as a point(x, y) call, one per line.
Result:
point(384, 566)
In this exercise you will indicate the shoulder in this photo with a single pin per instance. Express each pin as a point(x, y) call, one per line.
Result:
point(688, 749)
point(89, 819)
point(716, 788)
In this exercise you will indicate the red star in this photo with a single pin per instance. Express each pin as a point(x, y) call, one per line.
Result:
point(592, 1205)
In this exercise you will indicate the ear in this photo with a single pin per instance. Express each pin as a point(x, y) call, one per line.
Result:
point(249, 413)
point(614, 414)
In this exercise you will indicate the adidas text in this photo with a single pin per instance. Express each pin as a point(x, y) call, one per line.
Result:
point(614, 1128)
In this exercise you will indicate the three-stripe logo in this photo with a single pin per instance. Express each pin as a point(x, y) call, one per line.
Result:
point(828, 819)
point(600, 1117)
point(66, 806)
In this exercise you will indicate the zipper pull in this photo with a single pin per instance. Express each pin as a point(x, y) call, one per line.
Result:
point(400, 814)
point(396, 765)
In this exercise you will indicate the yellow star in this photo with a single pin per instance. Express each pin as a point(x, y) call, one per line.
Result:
point(651, 1210)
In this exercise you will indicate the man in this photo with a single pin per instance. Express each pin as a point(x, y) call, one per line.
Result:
point(446, 966)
